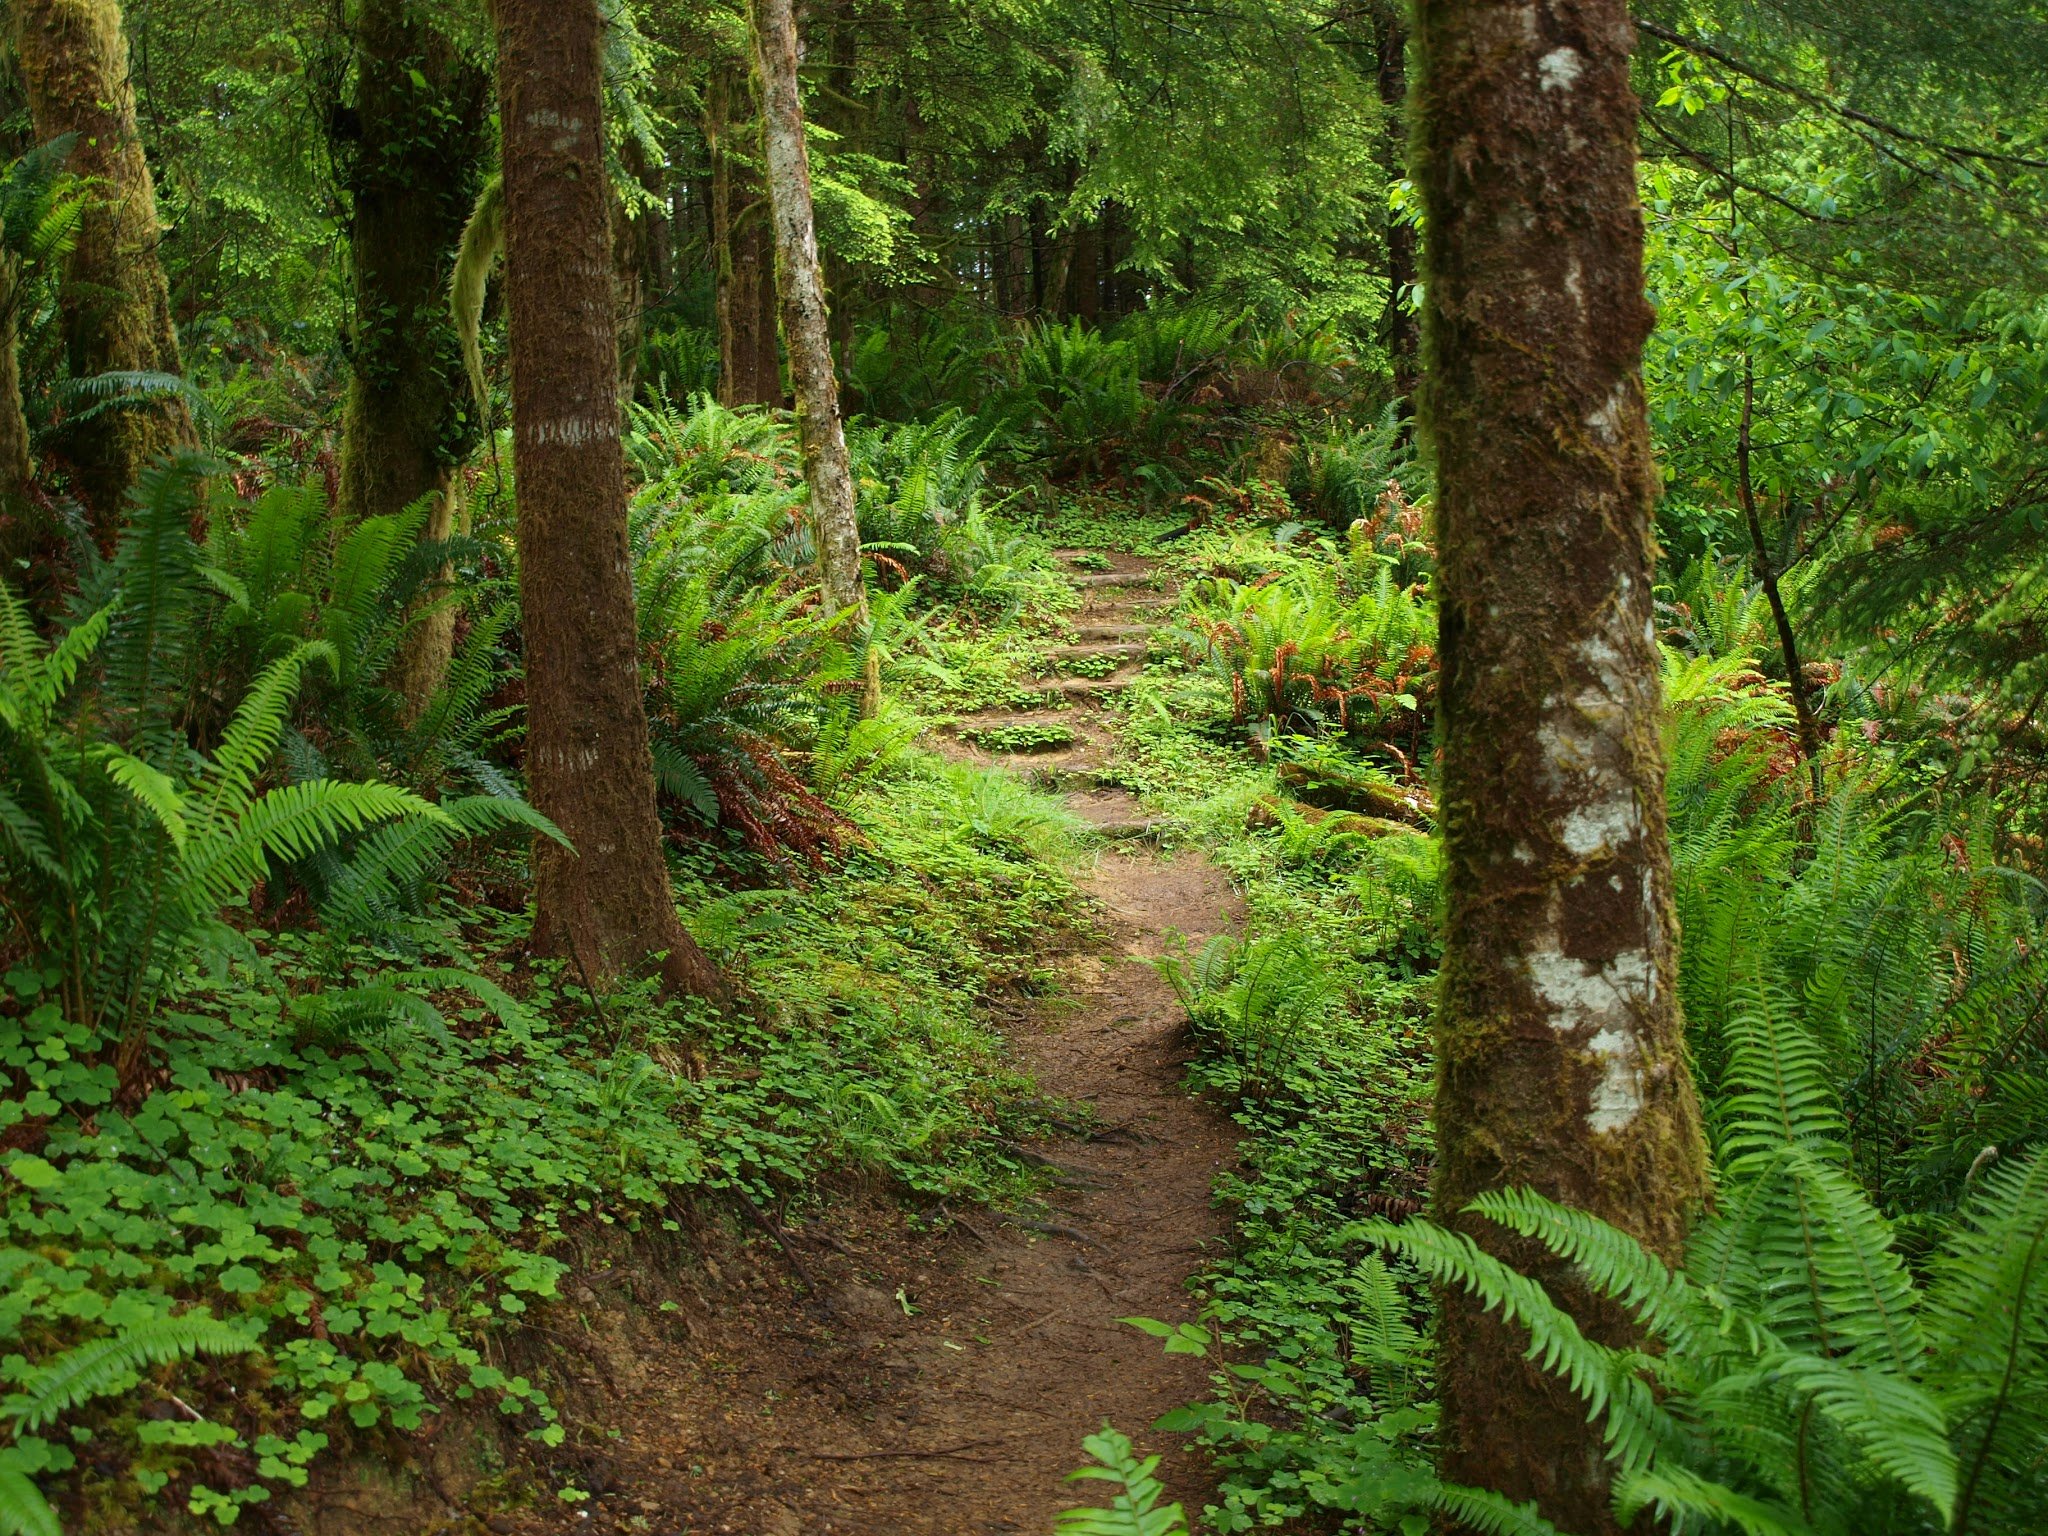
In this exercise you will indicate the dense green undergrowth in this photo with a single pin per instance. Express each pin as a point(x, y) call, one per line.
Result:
point(290, 1102)
point(367, 1209)
point(1859, 980)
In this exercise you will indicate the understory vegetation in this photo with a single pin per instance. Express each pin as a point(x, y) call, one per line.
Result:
point(334, 598)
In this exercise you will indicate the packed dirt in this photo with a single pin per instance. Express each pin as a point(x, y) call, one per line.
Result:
point(863, 1377)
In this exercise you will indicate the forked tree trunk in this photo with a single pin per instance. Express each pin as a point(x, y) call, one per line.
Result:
point(116, 303)
point(743, 246)
point(806, 325)
point(1400, 328)
point(1561, 1064)
point(415, 156)
point(607, 905)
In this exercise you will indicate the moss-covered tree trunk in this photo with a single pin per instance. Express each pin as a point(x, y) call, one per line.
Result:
point(413, 146)
point(743, 246)
point(588, 762)
point(804, 320)
point(116, 302)
point(17, 528)
point(1561, 1064)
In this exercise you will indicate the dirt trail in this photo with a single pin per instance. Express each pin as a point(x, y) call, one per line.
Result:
point(940, 1382)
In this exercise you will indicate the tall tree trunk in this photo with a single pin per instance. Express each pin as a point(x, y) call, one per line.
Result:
point(1400, 327)
point(805, 323)
point(21, 530)
point(607, 904)
point(414, 149)
point(1084, 288)
point(1013, 266)
point(629, 296)
point(1561, 1063)
point(743, 245)
point(116, 303)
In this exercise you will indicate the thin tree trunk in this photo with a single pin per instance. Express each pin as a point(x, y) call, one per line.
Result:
point(1053, 300)
point(743, 246)
point(629, 296)
point(1400, 327)
point(805, 323)
point(22, 528)
point(1561, 1063)
point(1767, 576)
point(841, 113)
point(116, 303)
point(415, 158)
point(607, 905)
point(1013, 266)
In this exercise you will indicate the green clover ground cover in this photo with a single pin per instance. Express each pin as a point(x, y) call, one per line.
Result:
point(364, 1208)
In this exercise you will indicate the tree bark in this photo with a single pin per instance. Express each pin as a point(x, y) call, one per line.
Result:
point(806, 324)
point(21, 529)
point(1400, 327)
point(743, 245)
point(116, 302)
point(1012, 266)
point(589, 766)
point(1560, 1057)
point(413, 148)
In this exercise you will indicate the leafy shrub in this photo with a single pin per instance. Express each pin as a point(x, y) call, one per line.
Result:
point(1026, 736)
point(734, 669)
point(1300, 654)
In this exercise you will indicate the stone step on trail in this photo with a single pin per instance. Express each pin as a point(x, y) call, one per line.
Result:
point(1090, 581)
point(1124, 650)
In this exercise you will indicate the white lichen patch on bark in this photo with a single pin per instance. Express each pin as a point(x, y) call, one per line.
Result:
point(1606, 421)
point(1597, 1002)
point(1601, 1002)
point(574, 431)
point(1559, 69)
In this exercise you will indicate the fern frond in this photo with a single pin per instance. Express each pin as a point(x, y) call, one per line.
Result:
point(252, 736)
point(1136, 1510)
point(23, 1509)
point(1609, 1382)
point(1489, 1513)
point(1899, 1427)
point(112, 1364)
point(60, 667)
point(1987, 1312)
point(149, 788)
point(1778, 1089)
point(1683, 1500)
point(1661, 1300)
point(289, 823)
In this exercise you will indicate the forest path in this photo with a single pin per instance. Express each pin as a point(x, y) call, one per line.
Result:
point(939, 1382)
